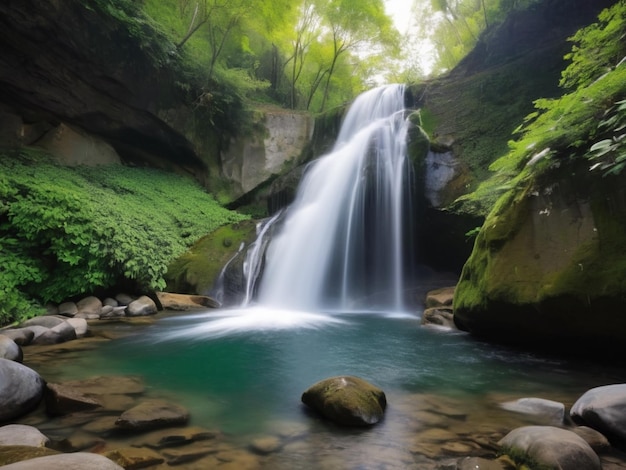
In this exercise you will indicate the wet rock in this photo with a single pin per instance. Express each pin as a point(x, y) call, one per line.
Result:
point(81, 441)
point(65, 399)
point(89, 305)
point(439, 316)
point(549, 411)
point(109, 384)
point(61, 333)
point(112, 312)
point(22, 435)
point(175, 437)
point(109, 302)
point(12, 454)
point(553, 447)
point(440, 297)
point(477, 463)
point(187, 454)
point(9, 349)
point(347, 400)
point(152, 414)
point(21, 389)
point(21, 336)
point(183, 302)
point(265, 445)
point(144, 305)
point(75, 461)
point(135, 457)
point(603, 409)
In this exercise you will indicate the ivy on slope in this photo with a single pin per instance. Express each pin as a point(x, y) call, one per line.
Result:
point(588, 121)
point(68, 231)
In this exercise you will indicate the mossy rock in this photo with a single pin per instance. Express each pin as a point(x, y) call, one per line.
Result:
point(196, 270)
point(347, 400)
point(547, 267)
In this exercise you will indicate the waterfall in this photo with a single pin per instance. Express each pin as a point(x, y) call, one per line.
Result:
point(341, 243)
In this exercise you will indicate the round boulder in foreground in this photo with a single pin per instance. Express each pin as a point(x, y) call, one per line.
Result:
point(603, 409)
point(347, 400)
point(21, 389)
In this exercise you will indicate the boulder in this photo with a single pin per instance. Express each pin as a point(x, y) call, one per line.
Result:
point(110, 302)
point(135, 457)
point(21, 336)
point(80, 325)
point(89, 305)
point(553, 447)
point(64, 399)
point(549, 411)
point(603, 409)
point(440, 297)
point(68, 309)
point(183, 302)
point(21, 389)
point(598, 441)
point(152, 414)
point(61, 333)
point(109, 311)
point(438, 316)
point(123, 299)
point(12, 454)
point(10, 350)
point(144, 305)
point(347, 400)
point(22, 435)
point(47, 321)
point(75, 461)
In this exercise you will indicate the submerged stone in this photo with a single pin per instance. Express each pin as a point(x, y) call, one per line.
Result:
point(152, 414)
point(347, 400)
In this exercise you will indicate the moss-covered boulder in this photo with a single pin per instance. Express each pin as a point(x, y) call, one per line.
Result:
point(548, 266)
point(347, 400)
point(196, 271)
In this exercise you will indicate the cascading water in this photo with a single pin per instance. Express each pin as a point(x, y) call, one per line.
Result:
point(341, 245)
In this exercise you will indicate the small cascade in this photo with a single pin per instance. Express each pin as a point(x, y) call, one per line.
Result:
point(341, 245)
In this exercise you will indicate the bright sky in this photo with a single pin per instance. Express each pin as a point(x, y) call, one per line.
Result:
point(400, 11)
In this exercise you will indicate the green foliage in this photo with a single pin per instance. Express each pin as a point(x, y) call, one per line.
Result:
point(588, 122)
point(67, 231)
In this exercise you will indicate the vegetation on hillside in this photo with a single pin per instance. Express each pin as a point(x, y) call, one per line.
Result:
point(587, 122)
point(67, 231)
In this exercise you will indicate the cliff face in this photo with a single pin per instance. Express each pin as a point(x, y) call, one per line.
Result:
point(64, 62)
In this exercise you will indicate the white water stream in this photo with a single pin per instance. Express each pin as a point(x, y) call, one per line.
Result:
point(340, 245)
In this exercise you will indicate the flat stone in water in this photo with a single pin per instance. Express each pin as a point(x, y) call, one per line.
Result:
point(175, 437)
point(152, 414)
point(135, 457)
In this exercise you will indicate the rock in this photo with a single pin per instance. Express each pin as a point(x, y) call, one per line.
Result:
point(59, 334)
point(89, 305)
point(152, 414)
point(551, 411)
point(22, 435)
point(47, 321)
point(113, 312)
point(80, 325)
point(81, 441)
point(74, 147)
point(9, 349)
point(68, 309)
point(186, 454)
point(21, 389)
point(75, 461)
point(183, 302)
point(63, 399)
point(123, 299)
point(12, 454)
point(21, 336)
point(110, 302)
point(603, 409)
point(440, 297)
point(144, 305)
point(176, 437)
point(554, 447)
point(265, 445)
point(439, 316)
point(37, 331)
point(598, 442)
point(347, 400)
point(135, 457)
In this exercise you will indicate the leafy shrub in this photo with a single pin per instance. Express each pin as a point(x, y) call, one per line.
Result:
point(67, 231)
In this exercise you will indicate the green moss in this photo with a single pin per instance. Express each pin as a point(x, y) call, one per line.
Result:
point(196, 270)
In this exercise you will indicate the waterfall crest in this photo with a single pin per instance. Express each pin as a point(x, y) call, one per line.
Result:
point(341, 244)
